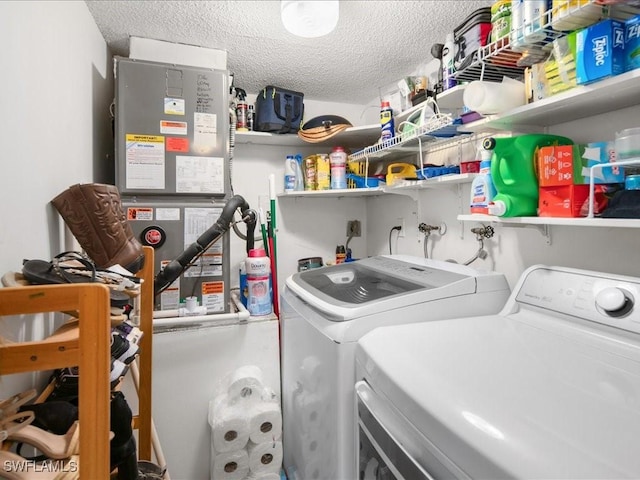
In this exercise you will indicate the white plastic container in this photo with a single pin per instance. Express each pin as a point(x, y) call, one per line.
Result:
point(628, 143)
point(290, 174)
point(258, 282)
point(533, 17)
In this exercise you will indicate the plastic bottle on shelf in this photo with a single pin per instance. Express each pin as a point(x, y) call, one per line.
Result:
point(258, 269)
point(482, 188)
point(516, 37)
point(338, 164)
point(290, 173)
point(513, 173)
point(387, 125)
point(448, 59)
point(533, 19)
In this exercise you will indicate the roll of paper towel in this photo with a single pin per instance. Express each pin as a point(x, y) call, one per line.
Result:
point(311, 374)
point(265, 422)
point(311, 410)
point(246, 383)
point(492, 97)
point(229, 426)
point(265, 457)
point(230, 465)
point(263, 476)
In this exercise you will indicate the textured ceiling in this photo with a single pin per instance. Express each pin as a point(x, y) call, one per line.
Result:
point(375, 43)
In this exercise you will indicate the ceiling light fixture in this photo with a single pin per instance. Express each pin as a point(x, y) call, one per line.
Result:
point(310, 19)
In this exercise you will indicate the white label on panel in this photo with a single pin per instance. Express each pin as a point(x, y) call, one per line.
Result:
point(145, 162)
point(213, 296)
point(196, 222)
point(204, 132)
point(199, 174)
point(170, 297)
point(169, 127)
point(167, 214)
point(174, 106)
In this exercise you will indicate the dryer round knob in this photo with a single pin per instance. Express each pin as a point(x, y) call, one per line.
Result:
point(614, 301)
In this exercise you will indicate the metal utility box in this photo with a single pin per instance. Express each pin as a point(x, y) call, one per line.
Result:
point(172, 155)
point(169, 227)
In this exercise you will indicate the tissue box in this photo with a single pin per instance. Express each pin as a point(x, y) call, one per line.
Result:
point(569, 200)
point(632, 43)
point(600, 51)
point(570, 164)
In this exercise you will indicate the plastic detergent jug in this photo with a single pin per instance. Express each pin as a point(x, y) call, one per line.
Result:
point(482, 188)
point(514, 174)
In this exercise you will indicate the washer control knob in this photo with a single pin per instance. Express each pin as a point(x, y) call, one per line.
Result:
point(613, 301)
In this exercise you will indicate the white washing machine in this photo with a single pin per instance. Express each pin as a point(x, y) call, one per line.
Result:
point(323, 314)
point(549, 388)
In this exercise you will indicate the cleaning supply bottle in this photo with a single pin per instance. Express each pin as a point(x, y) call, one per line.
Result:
point(448, 59)
point(514, 174)
point(338, 165)
point(290, 173)
point(258, 269)
point(386, 122)
point(482, 188)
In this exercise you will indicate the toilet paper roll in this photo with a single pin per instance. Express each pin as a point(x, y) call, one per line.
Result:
point(230, 465)
point(310, 447)
point(265, 422)
point(229, 426)
point(491, 97)
point(263, 476)
point(265, 457)
point(311, 374)
point(246, 383)
point(314, 469)
point(310, 411)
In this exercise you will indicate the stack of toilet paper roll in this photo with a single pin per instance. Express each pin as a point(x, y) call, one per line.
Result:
point(246, 427)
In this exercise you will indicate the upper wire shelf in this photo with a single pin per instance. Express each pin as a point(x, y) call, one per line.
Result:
point(439, 127)
point(502, 58)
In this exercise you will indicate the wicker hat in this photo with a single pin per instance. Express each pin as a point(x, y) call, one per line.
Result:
point(321, 128)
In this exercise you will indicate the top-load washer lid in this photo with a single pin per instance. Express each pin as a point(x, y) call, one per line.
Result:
point(523, 394)
point(376, 284)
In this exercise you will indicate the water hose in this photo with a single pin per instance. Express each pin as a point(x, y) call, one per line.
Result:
point(176, 267)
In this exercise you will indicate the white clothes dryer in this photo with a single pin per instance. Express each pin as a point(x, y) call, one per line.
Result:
point(549, 388)
point(323, 314)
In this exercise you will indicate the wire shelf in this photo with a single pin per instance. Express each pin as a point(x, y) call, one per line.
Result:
point(409, 142)
point(503, 58)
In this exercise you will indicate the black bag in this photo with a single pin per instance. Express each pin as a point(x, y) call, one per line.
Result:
point(279, 110)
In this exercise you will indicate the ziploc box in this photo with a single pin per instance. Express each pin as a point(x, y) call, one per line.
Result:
point(571, 164)
point(632, 43)
point(600, 51)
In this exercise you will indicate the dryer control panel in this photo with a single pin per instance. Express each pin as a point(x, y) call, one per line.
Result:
point(598, 297)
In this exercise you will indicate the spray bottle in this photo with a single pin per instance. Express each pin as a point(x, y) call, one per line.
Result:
point(448, 58)
point(482, 188)
point(386, 122)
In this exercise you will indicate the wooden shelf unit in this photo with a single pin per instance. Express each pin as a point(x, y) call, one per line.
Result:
point(89, 347)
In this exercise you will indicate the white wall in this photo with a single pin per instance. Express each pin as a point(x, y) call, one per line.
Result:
point(57, 86)
point(54, 129)
point(512, 249)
